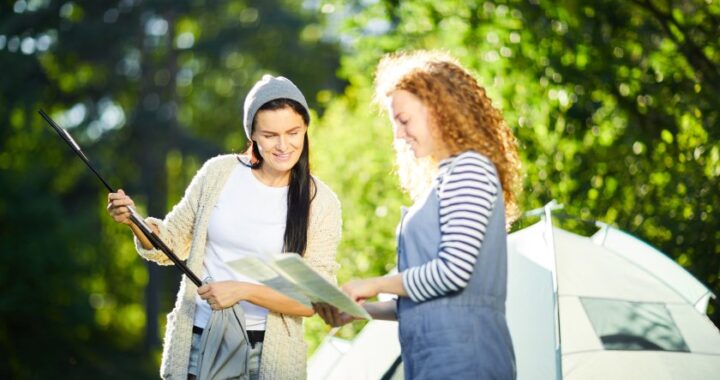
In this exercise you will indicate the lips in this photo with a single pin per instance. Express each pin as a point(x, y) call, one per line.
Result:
point(282, 156)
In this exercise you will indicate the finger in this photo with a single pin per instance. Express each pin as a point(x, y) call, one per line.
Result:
point(123, 202)
point(120, 211)
point(319, 310)
point(203, 289)
point(321, 307)
point(120, 216)
point(329, 316)
point(117, 213)
point(124, 211)
point(332, 315)
point(118, 195)
point(323, 312)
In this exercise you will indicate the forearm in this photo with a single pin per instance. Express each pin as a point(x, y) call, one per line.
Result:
point(274, 301)
point(144, 241)
point(392, 284)
point(386, 310)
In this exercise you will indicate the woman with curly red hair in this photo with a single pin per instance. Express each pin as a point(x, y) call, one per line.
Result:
point(458, 160)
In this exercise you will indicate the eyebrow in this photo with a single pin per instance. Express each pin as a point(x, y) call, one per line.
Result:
point(293, 129)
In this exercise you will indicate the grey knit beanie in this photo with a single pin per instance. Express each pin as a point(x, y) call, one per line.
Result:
point(266, 89)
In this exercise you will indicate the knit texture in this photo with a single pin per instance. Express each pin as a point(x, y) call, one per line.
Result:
point(184, 230)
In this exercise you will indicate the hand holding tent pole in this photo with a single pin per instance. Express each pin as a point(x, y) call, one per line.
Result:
point(134, 216)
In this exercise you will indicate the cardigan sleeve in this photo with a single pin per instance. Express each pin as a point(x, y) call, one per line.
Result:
point(324, 233)
point(176, 230)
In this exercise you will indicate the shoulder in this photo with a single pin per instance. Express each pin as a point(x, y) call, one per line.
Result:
point(473, 159)
point(473, 165)
point(218, 164)
point(468, 173)
point(221, 161)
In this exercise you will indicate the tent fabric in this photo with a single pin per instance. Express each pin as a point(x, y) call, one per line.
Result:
point(587, 269)
point(530, 307)
point(369, 355)
point(645, 256)
point(639, 365)
point(610, 285)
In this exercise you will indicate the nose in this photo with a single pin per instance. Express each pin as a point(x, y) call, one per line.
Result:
point(281, 143)
point(400, 131)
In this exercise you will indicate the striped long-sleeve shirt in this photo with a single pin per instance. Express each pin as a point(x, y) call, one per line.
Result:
point(467, 196)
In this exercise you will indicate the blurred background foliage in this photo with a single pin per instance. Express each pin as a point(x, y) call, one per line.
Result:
point(614, 103)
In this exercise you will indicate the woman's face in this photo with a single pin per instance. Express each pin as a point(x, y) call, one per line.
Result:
point(279, 135)
point(413, 125)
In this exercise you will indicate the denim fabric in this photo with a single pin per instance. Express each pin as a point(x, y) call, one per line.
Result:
point(463, 335)
point(254, 361)
point(194, 354)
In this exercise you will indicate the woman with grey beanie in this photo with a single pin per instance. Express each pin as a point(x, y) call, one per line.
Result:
point(255, 204)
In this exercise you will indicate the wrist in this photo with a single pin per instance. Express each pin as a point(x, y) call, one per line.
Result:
point(243, 291)
point(381, 284)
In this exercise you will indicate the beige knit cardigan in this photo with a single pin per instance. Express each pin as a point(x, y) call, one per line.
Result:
point(184, 230)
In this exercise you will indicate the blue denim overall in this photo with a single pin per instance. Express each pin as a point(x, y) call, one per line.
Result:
point(462, 335)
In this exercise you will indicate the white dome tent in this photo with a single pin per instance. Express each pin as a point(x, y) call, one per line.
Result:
point(608, 306)
point(624, 309)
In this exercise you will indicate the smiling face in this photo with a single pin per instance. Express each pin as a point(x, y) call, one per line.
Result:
point(280, 138)
point(412, 124)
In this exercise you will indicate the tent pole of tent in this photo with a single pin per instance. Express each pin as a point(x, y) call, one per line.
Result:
point(547, 216)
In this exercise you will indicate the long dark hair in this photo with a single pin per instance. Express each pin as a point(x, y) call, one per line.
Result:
point(301, 183)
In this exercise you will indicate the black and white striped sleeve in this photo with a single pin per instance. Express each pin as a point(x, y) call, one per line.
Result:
point(467, 197)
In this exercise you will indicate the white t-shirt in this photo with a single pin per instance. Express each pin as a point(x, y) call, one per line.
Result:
point(248, 220)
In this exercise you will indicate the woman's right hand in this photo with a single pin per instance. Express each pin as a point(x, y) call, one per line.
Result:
point(332, 316)
point(118, 204)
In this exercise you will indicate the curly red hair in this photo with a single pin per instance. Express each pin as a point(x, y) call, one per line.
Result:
point(461, 111)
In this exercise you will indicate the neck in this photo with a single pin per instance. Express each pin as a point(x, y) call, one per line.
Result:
point(440, 151)
point(440, 155)
point(271, 177)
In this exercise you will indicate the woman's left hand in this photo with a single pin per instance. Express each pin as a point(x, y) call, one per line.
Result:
point(222, 294)
point(360, 290)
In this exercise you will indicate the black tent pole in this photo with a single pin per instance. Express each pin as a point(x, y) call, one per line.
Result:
point(134, 217)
